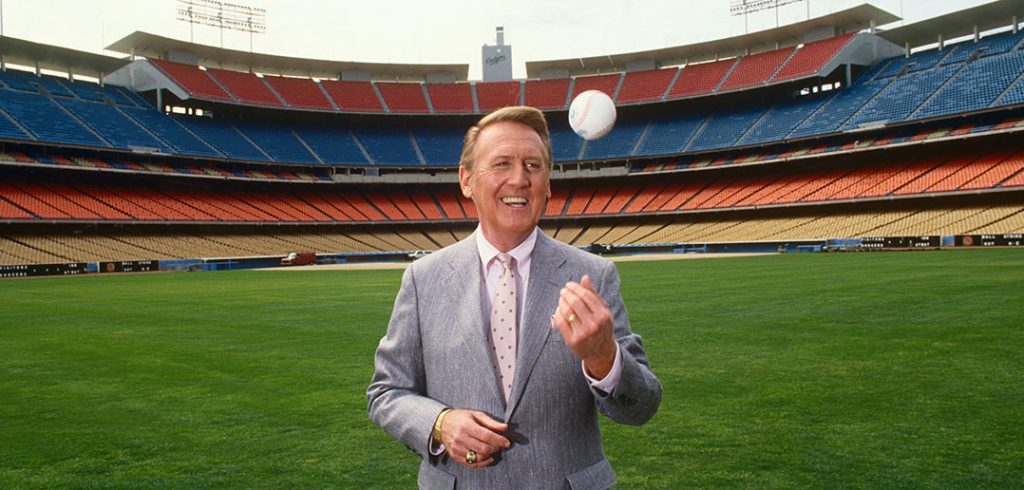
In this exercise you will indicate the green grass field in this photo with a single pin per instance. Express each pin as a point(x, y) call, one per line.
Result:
point(871, 370)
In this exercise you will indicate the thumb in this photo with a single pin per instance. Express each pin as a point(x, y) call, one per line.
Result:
point(491, 424)
point(585, 282)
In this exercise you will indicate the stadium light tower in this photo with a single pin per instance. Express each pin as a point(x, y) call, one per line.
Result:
point(223, 15)
point(744, 7)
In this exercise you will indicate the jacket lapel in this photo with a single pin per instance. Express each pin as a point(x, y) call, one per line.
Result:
point(546, 280)
point(463, 282)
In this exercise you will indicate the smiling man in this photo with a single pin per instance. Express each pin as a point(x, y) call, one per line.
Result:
point(503, 348)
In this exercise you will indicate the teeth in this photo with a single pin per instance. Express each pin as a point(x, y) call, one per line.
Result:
point(513, 200)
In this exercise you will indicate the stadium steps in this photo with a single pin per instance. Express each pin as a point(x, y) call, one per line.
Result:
point(143, 127)
point(380, 98)
point(938, 90)
point(17, 124)
point(81, 121)
point(327, 95)
point(306, 145)
point(728, 73)
point(274, 91)
point(426, 99)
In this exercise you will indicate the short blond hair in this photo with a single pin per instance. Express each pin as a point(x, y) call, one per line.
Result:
point(528, 116)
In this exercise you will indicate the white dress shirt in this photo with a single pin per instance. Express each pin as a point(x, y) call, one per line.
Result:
point(523, 254)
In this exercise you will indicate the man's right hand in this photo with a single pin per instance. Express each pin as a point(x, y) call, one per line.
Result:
point(469, 430)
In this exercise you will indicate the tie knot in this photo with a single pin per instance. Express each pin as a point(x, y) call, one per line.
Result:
point(507, 261)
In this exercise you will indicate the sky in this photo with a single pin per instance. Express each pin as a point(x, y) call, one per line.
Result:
point(430, 31)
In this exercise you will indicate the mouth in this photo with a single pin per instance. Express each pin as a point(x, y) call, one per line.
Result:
point(515, 201)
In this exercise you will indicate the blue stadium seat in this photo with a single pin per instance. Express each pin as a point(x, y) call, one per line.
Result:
point(920, 61)
point(668, 135)
point(838, 109)
point(725, 128)
point(171, 132)
point(987, 46)
point(440, 146)
point(782, 118)
point(113, 125)
point(565, 144)
point(277, 141)
point(223, 137)
point(28, 82)
point(977, 86)
point(902, 97)
point(10, 130)
point(46, 120)
point(388, 146)
point(619, 142)
point(334, 144)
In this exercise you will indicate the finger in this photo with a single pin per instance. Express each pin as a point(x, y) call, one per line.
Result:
point(587, 293)
point(493, 430)
point(574, 297)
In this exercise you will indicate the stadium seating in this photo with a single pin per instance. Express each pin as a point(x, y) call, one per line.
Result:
point(700, 79)
point(299, 93)
point(334, 145)
point(353, 96)
point(248, 88)
point(439, 145)
point(608, 84)
point(113, 125)
point(46, 120)
point(387, 146)
point(547, 94)
point(756, 69)
point(278, 142)
point(810, 57)
point(403, 96)
point(975, 87)
point(224, 137)
point(194, 80)
point(495, 95)
point(451, 97)
point(645, 86)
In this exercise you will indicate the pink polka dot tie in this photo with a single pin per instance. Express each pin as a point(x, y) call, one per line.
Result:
point(503, 323)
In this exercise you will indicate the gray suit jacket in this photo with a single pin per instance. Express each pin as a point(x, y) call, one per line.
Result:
point(436, 355)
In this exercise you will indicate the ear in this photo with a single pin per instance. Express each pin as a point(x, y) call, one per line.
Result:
point(464, 181)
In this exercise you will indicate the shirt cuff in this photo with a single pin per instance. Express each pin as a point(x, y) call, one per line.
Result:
point(605, 387)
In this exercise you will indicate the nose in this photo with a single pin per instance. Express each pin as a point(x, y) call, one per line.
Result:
point(520, 175)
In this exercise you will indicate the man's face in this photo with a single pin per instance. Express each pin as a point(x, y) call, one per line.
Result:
point(509, 183)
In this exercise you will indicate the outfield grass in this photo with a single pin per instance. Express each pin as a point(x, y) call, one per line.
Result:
point(895, 370)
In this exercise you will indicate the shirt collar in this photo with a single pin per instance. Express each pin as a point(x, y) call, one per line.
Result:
point(522, 252)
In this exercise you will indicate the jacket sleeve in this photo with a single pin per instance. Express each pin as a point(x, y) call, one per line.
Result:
point(637, 395)
point(396, 395)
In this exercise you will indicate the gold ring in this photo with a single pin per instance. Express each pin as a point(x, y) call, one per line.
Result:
point(572, 318)
point(470, 456)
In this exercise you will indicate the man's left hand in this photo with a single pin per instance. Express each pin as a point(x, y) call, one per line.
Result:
point(587, 325)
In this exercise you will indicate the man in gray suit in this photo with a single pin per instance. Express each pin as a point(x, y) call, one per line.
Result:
point(503, 348)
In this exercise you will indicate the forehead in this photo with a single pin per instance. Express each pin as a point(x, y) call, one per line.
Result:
point(509, 139)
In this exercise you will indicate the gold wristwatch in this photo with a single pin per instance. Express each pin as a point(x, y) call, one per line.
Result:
point(437, 425)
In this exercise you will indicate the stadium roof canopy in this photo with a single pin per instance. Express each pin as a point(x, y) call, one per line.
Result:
point(853, 19)
point(961, 23)
point(149, 45)
point(64, 60)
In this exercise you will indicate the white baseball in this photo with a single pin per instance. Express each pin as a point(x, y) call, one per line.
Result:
point(592, 114)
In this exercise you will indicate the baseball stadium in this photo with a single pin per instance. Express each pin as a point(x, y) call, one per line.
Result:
point(818, 227)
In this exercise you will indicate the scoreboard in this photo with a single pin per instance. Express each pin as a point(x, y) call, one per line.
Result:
point(930, 241)
point(1005, 240)
point(130, 266)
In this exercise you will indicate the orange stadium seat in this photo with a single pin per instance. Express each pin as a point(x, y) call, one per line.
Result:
point(605, 83)
point(756, 69)
point(495, 95)
point(300, 93)
point(403, 96)
point(246, 87)
point(451, 97)
point(354, 96)
point(810, 57)
point(194, 80)
point(547, 94)
point(700, 79)
point(645, 86)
